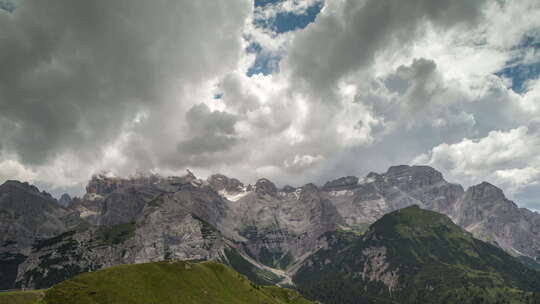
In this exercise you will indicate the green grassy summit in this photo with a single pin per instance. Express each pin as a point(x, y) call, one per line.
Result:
point(164, 283)
point(415, 256)
point(414, 222)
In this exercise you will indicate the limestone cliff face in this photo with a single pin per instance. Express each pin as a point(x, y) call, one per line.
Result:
point(103, 183)
point(371, 197)
point(278, 227)
point(489, 215)
point(26, 214)
point(167, 226)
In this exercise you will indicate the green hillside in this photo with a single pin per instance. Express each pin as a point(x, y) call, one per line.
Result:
point(415, 256)
point(163, 283)
point(21, 297)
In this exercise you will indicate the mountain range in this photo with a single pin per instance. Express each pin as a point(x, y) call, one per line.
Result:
point(267, 233)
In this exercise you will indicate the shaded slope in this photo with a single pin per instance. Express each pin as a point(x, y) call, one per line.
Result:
point(26, 214)
point(415, 256)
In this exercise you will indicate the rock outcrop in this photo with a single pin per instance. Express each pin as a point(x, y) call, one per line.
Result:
point(26, 215)
point(65, 200)
point(489, 215)
point(145, 225)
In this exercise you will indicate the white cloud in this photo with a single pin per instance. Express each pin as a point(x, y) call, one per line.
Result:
point(303, 161)
point(12, 169)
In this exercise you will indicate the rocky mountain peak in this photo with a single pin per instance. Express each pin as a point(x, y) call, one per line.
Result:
point(221, 182)
point(415, 172)
point(417, 176)
point(342, 183)
point(485, 191)
point(14, 184)
point(311, 187)
point(265, 186)
point(371, 177)
point(288, 189)
point(65, 200)
point(27, 213)
point(190, 176)
point(102, 184)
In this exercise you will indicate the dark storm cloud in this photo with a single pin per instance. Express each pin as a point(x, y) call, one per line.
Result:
point(74, 73)
point(348, 41)
point(416, 86)
point(210, 131)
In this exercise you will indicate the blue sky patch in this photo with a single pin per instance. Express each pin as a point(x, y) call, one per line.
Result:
point(267, 62)
point(287, 21)
point(261, 3)
point(218, 96)
point(264, 64)
point(519, 71)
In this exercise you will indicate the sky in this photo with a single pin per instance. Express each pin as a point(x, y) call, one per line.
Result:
point(294, 91)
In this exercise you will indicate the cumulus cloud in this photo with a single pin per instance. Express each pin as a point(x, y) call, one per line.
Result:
point(209, 132)
point(73, 74)
point(302, 161)
point(10, 169)
point(349, 35)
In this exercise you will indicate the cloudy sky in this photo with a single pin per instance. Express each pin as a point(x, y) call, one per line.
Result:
point(296, 91)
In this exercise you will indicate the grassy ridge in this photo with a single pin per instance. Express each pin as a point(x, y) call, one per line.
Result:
point(158, 283)
point(21, 297)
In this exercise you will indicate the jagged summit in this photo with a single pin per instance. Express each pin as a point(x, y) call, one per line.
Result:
point(65, 200)
point(421, 175)
point(373, 175)
point(486, 191)
point(189, 175)
point(288, 189)
point(221, 182)
point(265, 186)
point(342, 183)
point(24, 186)
point(103, 184)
